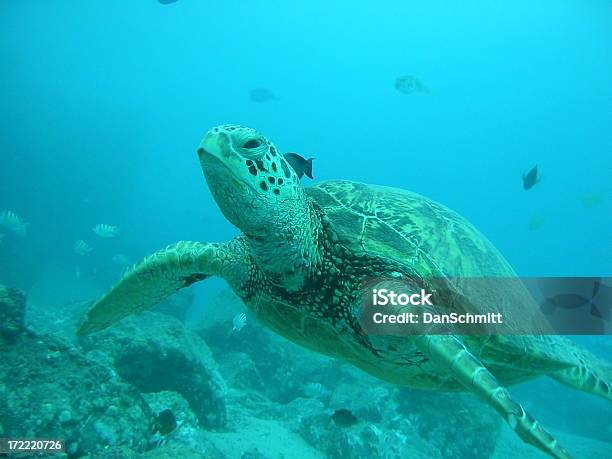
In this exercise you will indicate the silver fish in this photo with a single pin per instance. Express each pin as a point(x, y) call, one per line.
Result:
point(81, 247)
point(239, 322)
point(13, 222)
point(106, 231)
point(314, 390)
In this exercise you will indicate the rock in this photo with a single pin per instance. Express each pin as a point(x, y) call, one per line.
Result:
point(365, 439)
point(240, 371)
point(12, 314)
point(376, 401)
point(281, 364)
point(167, 451)
point(177, 305)
point(271, 438)
point(395, 423)
point(60, 319)
point(155, 352)
point(458, 424)
point(253, 453)
point(113, 452)
point(187, 440)
point(176, 450)
point(49, 389)
point(302, 408)
point(379, 431)
point(160, 401)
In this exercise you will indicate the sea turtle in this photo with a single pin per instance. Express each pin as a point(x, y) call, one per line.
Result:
point(299, 262)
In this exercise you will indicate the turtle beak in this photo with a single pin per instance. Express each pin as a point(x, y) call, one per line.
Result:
point(214, 152)
point(216, 144)
point(202, 152)
point(210, 146)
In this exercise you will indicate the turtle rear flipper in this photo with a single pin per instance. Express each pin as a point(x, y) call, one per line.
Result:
point(154, 279)
point(588, 374)
point(450, 354)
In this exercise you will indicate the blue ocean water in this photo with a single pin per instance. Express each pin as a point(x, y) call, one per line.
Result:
point(104, 103)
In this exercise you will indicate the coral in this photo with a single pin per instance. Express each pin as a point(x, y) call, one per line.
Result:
point(155, 352)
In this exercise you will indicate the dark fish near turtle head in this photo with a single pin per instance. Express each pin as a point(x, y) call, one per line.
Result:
point(530, 178)
point(344, 418)
point(164, 422)
point(300, 165)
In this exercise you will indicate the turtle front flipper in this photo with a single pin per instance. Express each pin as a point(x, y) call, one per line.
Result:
point(156, 278)
point(450, 354)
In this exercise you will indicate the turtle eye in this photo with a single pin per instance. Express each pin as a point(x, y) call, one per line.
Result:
point(253, 143)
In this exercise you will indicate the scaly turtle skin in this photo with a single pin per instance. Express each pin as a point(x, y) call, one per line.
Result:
point(303, 253)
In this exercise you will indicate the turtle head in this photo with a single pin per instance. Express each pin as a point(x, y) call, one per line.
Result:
point(248, 177)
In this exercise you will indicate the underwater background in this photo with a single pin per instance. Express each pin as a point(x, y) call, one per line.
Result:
point(102, 107)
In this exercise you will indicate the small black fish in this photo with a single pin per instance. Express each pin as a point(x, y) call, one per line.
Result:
point(344, 418)
point(164, 422)
point(530, 178)
point(167, 2)
point(300, 165)
point(261, 95)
